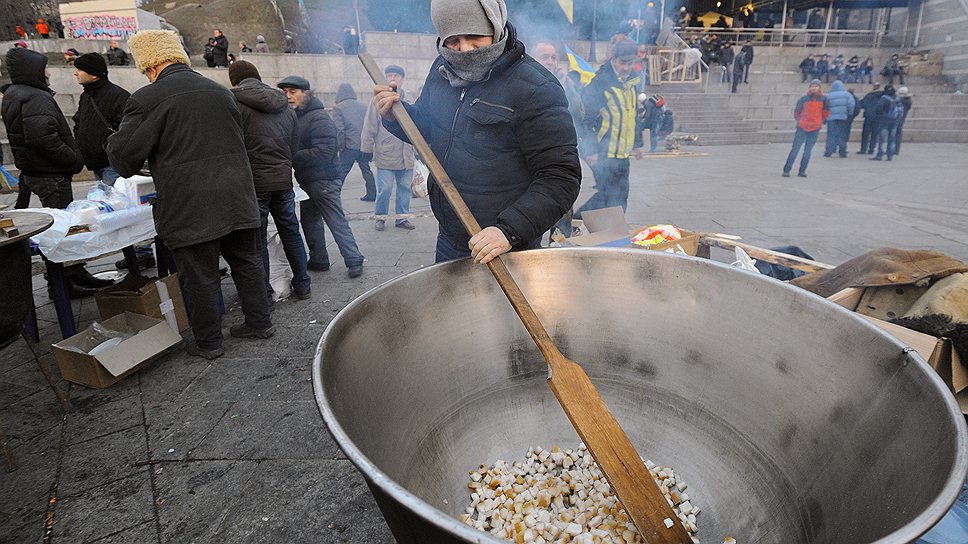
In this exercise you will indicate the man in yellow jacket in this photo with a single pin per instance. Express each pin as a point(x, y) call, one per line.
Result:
point(610, 130)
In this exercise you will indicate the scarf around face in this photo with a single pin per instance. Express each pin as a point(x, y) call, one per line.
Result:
point(469, 67)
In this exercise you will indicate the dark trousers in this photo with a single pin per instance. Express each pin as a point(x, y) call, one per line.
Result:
point(282, 206)
point(612, 185)
point(868, 135)
point(746, 73)
point(836, 138)
point(325, 205)
point(801, 139)
point(897, 138)
point(349, 157)
point(53, 191)
point(198, 271)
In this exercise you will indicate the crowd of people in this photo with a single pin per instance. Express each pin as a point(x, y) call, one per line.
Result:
point(885, 111)
point(216, 50)
point(852, 70)
point(734, 60)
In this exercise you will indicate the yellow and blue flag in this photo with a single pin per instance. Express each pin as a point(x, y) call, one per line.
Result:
point(579, 65)
point(568, 7)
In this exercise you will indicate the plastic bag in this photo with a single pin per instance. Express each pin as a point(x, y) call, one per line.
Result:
point(280, 273)
point(744, 261)
point(101, 199)
point(420, 176)
point(953, 527)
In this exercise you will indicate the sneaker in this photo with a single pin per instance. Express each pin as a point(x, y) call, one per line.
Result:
point(380, 224)
point(802, 174)
point(355, 271)
point(245, 331)
point(317, 267)
point(786, 174)
point(877, 158)
point(405, 225)
point(192, 349)
point(302, 293)
point(368, 198)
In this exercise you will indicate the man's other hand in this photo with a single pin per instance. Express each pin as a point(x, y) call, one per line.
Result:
point(385, 96)
point(488, 244)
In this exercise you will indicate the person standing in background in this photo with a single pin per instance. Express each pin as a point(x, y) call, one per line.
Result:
point(393, 157)
point(868, 137)
point(260, 44)
point(348, 114)
point(890, 111)
point(243, 48)
point(42, 29)
point(116, 55)
point(841, 105)
point(907, 102)
point(99, 114)
point(206, 205)
point(747, 50)
point(810, 112)
point(220, 49)
point(314, 162)
point(269, 125)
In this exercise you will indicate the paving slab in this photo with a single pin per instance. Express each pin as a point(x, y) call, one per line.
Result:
point(104, 510)
point(101, 460)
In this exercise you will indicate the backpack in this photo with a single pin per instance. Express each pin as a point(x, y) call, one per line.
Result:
point(668, 123)
point(209, 53)
point(895, 111)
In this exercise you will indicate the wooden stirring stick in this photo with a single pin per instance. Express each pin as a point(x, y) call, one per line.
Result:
point(587, 411)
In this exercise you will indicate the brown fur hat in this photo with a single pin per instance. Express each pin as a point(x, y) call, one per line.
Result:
point(152, 48)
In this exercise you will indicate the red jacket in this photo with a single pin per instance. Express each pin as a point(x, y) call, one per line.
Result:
point(811, 111)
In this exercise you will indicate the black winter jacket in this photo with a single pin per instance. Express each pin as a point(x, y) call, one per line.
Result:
point(269, 125)
point(39, 135)
point(220, 51)
point(117, 57)
point(507, 142)
point(190, 130)
point(314, 155)
point(90, 129)
point(869, 104)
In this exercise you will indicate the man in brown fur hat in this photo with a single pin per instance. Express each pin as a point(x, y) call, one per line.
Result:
point(206, 198)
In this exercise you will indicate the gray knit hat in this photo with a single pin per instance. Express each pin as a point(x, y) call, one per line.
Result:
point(473, 17)
point(814, 82)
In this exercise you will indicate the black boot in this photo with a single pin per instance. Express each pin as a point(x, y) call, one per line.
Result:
point(83, 278)
point(73, 290)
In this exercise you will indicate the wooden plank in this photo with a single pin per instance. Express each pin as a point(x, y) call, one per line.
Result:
point(768, 255)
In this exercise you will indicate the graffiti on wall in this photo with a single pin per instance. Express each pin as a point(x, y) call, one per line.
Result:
point(100, 26)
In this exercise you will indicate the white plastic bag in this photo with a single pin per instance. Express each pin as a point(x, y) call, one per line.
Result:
point(744, 261)
point(420, 176)
point(280, 273)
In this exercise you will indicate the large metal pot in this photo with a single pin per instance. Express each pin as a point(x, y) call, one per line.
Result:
point(793, 420)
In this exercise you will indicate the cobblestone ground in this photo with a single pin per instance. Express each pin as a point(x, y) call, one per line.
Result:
point(234, 450)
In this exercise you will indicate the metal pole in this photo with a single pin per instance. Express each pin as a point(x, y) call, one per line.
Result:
point(591, 52)
point(661, 15)
point(826, 28)
point(917, 32)
point(783, 23)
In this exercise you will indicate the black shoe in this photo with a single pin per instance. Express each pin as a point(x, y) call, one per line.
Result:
point(380, 224)
point(84, 278)
point(144, 262)
point(861, 152)
point(786, 174)
point(802, 174)
point(877, 158)
point(826, 154)
point(318, 267)
point(368, 198)
point(355, 271)
point(73, 291)
point(302, 294)
point(192, 349)
point(405, 225)
point(245, 331)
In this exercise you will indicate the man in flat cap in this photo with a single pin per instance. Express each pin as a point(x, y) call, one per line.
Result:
point(611, 134)
point(206, 203)
point(499, 122)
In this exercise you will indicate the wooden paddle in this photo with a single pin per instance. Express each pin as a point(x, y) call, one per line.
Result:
point(586, 409)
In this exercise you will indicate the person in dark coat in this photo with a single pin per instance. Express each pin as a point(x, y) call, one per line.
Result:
point(44, 150)
point(868, 136)
point(747, 50)
point(220, 49)
point(807, 68)
point(822, 70)
point(269, 125)
point(116, 55)
point(888, 120)
point(893, 68)
point(500, 123)
point(740, 67)
point(99, 113)
point(348, 114)
point(906, 100)
point(726, 57)
point(315, 163)
point(206, 204)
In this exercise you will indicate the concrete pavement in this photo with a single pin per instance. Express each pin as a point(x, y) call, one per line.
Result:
point(234, 450)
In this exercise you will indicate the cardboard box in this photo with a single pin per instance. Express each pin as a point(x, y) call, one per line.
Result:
point(607, 228)
point(938, 352)
point(146, 296)
point(150, 337)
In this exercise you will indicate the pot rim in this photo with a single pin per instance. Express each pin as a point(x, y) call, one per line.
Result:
point(942, 503)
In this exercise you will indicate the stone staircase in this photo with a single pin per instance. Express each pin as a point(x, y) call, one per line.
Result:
point(708, 115)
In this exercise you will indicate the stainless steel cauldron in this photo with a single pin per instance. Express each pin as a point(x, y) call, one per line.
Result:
point(793, 420)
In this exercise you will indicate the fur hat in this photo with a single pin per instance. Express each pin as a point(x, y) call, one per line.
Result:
point(152, 48)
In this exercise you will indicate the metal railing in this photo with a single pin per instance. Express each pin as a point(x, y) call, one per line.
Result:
point(797, 37)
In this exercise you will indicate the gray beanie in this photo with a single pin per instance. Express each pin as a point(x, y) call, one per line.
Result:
point(815, 82)
point(473, 17)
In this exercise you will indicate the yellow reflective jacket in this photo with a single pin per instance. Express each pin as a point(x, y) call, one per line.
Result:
point(610, 123)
